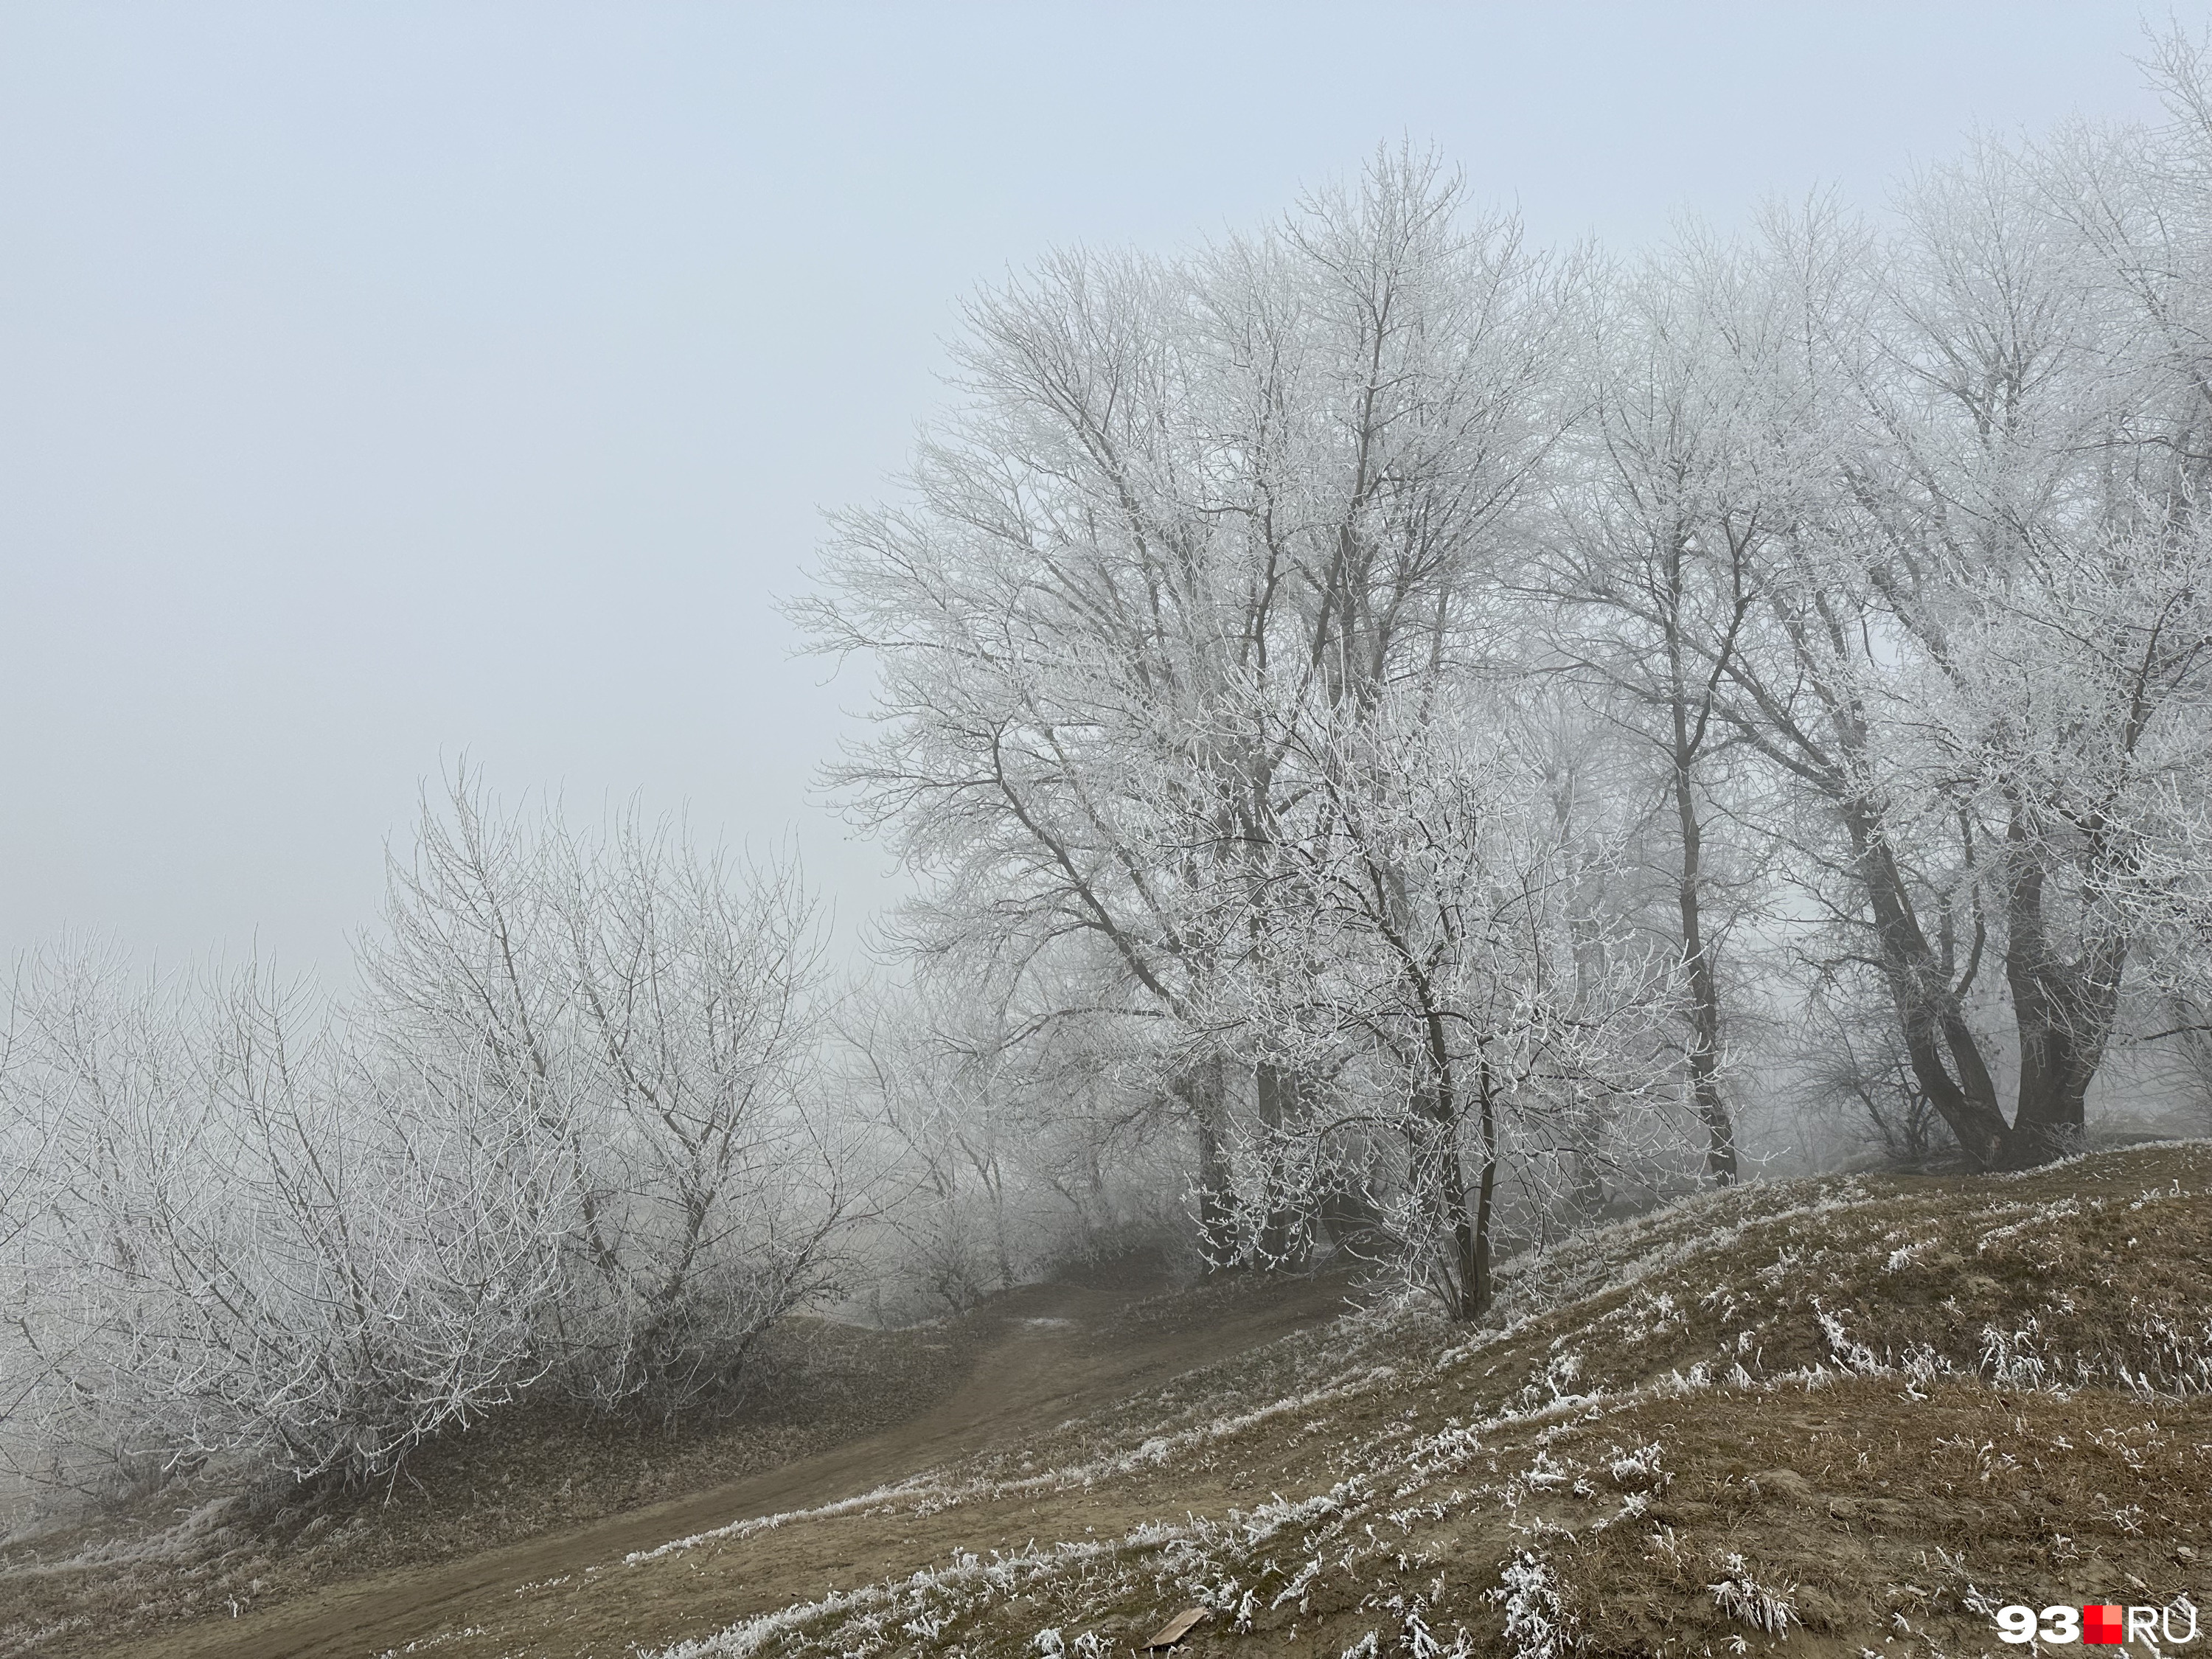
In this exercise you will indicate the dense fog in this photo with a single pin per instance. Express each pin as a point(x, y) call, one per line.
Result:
point(1409, 743)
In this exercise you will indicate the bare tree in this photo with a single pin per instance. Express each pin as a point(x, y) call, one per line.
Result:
point(943, 1105)
point(250, 1243)
point(655, 1014)
point(1289, 461)
point(1430, 935)
point(1019, 1138)
point(1687, 458)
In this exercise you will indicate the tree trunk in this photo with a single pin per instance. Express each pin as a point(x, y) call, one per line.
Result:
point(1698, 961)
point(2065, 1011)
point(1282, 1242)
point(2051, 1121)
point(1200, 1091)
point(1466, 1217)
point(1928, 1009)
point(1474, 1250)
point(1465, 1279)
point(1002, 1256)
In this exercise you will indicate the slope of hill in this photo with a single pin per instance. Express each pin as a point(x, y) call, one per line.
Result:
point(1850, 1416)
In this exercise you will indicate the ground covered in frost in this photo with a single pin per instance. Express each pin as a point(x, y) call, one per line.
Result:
point(1848, 1416)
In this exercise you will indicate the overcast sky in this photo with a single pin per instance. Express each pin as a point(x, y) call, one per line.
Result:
point(383, 382)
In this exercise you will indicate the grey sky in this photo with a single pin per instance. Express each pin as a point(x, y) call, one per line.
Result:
point(380, 382)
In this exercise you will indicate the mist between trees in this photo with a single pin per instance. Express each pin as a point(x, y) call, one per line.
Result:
point(1410, 744)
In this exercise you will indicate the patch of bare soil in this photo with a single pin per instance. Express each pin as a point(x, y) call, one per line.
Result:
point(1843, 1417)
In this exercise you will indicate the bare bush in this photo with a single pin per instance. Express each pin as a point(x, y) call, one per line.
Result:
point(246, 1239)
point(568, 1136)
point(654, 1014)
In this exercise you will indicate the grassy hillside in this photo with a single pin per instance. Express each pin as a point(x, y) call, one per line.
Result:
point(1840, 1414)
point(1835, 1416)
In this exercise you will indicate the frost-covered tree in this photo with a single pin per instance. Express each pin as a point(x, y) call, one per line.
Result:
point(1436, 940)
point(248, 1237)
point(1687, 462)
point(1012, 1143)
point(654, 1012)
point(1980, 656)
point(1286, 463)
point(570, 1134)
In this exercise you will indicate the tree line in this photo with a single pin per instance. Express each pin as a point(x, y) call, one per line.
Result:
point(1424, 713)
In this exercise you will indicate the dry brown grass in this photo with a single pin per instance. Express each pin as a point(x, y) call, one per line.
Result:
point(1841, 1417)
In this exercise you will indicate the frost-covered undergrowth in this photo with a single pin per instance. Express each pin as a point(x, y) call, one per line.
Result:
point(1861, 1411)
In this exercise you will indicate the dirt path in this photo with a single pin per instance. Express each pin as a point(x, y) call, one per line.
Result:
point(1048, 1360)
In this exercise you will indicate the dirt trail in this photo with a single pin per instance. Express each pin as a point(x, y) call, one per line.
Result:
point(1048, 1360)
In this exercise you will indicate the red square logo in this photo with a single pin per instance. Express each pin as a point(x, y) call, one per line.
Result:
point(2104, 1624)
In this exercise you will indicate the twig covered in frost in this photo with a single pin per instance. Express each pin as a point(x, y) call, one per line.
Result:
point(1537, 1625)
point(1744, 1599)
